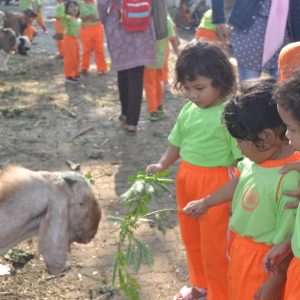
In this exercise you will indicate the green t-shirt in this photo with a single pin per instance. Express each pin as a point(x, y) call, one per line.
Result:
point(60, 11)
point(86, 9)
point(206, 21)
point(202, 138)
point(161, 46)
point(258, 202)
point(72, 25)
point(25, 4)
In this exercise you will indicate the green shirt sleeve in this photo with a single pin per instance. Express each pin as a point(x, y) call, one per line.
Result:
point(285, 217)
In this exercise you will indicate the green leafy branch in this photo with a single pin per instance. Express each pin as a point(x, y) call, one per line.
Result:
point(131, 251)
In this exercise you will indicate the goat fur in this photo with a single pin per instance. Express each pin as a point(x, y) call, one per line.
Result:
point(59, 207)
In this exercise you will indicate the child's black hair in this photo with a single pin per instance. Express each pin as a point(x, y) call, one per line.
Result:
point(208, 60)
point(287, 95)
point(253, 110)
point(67, 5)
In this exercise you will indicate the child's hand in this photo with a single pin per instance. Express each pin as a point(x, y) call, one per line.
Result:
point(275, 256)
point(155, 168)
point(196, 208)
point(270, 289)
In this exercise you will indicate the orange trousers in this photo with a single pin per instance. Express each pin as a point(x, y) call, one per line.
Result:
point(92, 39)
point(246, 273)
point(30, 31)
point(71, 56)
point(292, 288)
point(205, 239)
point(58, 28)
point(206, 34)
point(153, 88)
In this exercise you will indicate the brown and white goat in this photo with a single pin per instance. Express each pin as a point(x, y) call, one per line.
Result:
point(59, 207)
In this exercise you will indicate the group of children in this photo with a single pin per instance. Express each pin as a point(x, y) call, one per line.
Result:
point(233, 191)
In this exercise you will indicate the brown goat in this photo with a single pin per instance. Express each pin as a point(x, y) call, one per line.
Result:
point(59, 207)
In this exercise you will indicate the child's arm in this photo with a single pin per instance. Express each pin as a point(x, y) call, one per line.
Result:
point(175, 44)
point(276, 255)
point(169, 157)
point(197, 208)
point(89, 18)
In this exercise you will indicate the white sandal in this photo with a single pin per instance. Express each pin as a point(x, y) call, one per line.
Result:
point(186, 293)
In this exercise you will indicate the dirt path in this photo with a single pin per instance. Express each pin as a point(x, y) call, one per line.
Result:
point(40, 118)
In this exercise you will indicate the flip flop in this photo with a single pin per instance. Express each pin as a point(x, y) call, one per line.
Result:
point(186, 293)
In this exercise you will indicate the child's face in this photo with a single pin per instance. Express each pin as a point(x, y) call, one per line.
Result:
point(73, 9)
point(293, 127)
point(202, 93)
point(250, 150)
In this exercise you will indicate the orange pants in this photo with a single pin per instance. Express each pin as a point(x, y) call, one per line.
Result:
point(205, 239)
point(292, 288)
point(30, 31)
point(206, 34)
point(71, 57)
point(58, 28)
point(246, 273)
point(153, 88)
point(289, 60)
point(92, 39)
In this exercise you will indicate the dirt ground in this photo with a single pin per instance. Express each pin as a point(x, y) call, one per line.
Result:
point(41, 121)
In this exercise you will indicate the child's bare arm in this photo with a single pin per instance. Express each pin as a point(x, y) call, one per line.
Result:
point(169, 157)
point(276, 256)
point(197, 208)
point(175, 44)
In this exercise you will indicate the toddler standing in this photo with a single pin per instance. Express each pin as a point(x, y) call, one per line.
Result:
point(207, 152)
point(92, 37)
point(71, 23)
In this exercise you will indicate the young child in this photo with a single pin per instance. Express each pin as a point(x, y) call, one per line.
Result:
point(288, 105)
point(71, 23)
point(207, 151)
point(153, 74)
point(259, 220)
point(206, 29)
point(92, 37)
point(289, 60)
point(59, 28)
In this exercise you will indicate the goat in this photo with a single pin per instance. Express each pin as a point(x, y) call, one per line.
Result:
point(59, 207)
point(7, 44)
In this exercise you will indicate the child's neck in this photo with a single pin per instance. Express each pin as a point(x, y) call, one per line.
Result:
point(281, 152)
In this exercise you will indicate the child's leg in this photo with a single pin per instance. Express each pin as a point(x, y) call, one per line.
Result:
point(205, 239)
point(71, 48)
point(150, 85)
point(30, 31)
point(292, 290)
point(159, 91)
point(86, 36)
point(98, 45)
point(246, 273)
point(59, 43)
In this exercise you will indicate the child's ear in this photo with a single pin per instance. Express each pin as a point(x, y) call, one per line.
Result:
point(268, 136)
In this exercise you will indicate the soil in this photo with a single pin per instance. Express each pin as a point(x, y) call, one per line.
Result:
point(44, 124)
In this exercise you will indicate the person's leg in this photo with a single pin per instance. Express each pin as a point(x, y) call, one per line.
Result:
point(150, 89)
point(86, 41)
point(98, 45)
point(59, 43)
point(123, 91)
point(135, 93)
point(245, 73)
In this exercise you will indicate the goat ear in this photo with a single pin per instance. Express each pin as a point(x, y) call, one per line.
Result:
point(70, 178)
point(54, 234)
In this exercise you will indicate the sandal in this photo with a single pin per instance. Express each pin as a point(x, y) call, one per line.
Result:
point(191, 293)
